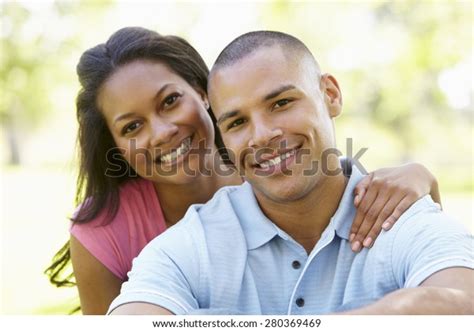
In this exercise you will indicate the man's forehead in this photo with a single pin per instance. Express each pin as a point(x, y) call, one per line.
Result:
point(265, 55)
point(267, 60)
point(258, 69)
point(257, 74)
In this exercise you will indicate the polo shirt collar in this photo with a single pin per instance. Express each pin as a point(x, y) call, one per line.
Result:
point(258, 229)
point(346, 211)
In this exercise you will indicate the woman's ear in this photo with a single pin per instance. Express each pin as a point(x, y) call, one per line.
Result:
point(206, 101)
point(204, 97)
point(332, 94)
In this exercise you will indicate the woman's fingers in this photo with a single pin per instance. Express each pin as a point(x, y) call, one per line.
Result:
point(370, 220)
point(361, 188)
point(362, 210)
point(381, 198)
point(402, 206)
point(370, 217)
point(387, 210)
point(389, 214)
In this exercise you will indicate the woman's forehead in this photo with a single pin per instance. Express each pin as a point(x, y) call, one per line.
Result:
point(136, 83)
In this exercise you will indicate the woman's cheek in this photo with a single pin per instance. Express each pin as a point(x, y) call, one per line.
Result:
point(135, 156)
point(139, 160)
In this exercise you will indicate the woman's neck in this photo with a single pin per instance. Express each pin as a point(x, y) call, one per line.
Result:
point(175, 199)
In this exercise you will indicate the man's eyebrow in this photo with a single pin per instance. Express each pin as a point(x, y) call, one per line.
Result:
point(278, 91)
point(156, 96)
point(267, 97)
point(227, 115)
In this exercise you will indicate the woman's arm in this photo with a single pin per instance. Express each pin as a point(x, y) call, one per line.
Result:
point(384, 195)
point(97, 285)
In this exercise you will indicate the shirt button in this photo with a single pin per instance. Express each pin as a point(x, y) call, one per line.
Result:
point(296, 264)
point(300, 302)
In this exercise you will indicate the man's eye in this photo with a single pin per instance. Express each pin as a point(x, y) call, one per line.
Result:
point(130, 127)
point(236, 123)
point(171, 99)
point(281, 103)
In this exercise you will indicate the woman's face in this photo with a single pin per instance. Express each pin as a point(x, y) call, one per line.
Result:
point(158, 121)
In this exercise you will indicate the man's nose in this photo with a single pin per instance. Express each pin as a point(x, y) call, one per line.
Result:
point(264, 132)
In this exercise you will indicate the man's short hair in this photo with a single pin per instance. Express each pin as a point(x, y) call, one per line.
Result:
point(250, 42)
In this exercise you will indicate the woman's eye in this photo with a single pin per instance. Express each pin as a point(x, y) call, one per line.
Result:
point(236, 123)
point(130, 128)
point(281, 103)
point(170, 100)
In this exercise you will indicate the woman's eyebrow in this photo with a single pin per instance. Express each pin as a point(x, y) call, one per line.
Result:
point(123, 117)
point(161, 90)
point(156, 96)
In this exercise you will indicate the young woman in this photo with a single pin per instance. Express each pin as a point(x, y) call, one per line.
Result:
point(146, 133)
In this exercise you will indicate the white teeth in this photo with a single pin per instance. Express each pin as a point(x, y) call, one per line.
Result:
point(276, 160)
point(182, 149)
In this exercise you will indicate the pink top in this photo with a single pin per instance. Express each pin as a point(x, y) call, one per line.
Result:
point(139, 219)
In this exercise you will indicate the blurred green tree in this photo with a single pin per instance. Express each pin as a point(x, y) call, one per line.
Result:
point(407, 90)
point(33, 61)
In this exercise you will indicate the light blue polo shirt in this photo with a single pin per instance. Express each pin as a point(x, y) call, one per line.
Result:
point(227, 257)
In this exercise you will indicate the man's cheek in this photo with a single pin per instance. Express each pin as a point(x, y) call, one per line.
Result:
point(234, 154)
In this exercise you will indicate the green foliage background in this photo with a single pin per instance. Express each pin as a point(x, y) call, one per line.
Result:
point(405, 70)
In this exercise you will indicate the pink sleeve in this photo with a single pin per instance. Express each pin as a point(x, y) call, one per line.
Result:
point(139, 219)
point(104, 242)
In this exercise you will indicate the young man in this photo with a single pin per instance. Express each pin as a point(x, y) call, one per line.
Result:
point(279, 244)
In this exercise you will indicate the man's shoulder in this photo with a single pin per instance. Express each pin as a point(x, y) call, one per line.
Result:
point(221, 204)
point(422, 207)
point(424, 223)
point(426, 212)
point(425, 240)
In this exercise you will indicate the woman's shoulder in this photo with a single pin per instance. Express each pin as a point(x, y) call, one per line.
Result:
point(138, 196)
point(137, 204)
point(116, 241)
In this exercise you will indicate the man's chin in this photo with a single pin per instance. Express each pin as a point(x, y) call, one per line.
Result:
point(279, 192)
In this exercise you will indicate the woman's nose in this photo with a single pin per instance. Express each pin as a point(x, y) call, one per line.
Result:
point(162, 132)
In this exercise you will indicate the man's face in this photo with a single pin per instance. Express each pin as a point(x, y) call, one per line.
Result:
point(274, 120)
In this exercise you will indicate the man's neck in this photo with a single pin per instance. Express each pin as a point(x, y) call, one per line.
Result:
point(305, 219)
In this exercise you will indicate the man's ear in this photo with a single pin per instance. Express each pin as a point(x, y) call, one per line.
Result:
point(332, 94)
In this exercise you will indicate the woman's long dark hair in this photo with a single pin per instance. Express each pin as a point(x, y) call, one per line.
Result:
point(97, 186)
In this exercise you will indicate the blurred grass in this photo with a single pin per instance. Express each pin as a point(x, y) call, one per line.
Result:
point(35, 206)
point(36, 203)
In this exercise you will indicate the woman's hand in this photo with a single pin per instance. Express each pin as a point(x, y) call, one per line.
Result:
point(385, 194)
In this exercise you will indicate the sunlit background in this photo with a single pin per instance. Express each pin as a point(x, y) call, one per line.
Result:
point(405, 70)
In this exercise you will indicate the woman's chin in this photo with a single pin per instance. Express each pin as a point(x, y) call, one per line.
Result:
point(175, 175)
point(176, 179)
